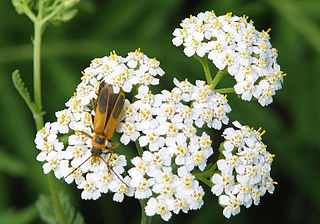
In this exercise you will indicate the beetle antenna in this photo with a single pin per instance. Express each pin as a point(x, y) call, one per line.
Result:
point(77, 168)
point(84, 133)
point(113, 171)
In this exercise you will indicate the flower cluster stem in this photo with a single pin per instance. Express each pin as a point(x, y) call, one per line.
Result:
point(224, 90)
point(144, 218)
point(56, 200)
point(220, 74)
point(214, 82)
point(140, 150)
point(205, 66)
point(209, 172)
point(204, 180)
point(203, 175)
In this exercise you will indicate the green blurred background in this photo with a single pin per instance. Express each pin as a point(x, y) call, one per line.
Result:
point(292, 121)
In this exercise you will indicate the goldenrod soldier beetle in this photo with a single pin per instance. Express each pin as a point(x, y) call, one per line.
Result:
point(108, 111)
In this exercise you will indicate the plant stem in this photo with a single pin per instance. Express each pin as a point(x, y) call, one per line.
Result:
point(204, 180)
point(205, 66)
point(38, 26)
point(56, 200)
point(37, 71)
point(144, 218)
point(217, 78)
point(207, 173)
point(30, 14)
point(37, 62)
point(140, 150)
point(202, 176)
point(224, 90)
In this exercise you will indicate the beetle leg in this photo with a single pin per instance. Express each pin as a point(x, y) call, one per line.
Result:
point(114, 145)
point(108, 161)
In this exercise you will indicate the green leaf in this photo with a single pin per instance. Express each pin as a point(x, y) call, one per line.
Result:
point(20, 86)
point(25, 215)
point(11, 165)
point(45, 204)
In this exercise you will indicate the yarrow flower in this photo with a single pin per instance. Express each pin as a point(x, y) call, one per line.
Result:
point(167, 125)
point(233, 44)
point(164, 124)
point(171, 129)
point(75, 162)
point(244, 172)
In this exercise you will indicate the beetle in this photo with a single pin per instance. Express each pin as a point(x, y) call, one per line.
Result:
point(107, 116)
point(108, 112)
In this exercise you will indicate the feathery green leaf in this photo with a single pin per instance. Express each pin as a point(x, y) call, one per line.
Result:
point(20, 86)
point(44, 205)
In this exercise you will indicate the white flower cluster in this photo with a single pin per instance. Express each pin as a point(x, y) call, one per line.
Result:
point(92, 176)
point(166, 192)
point(165, 129)
point(244, 171)
point(75, 161)
point(234, 44)
point(167, 119)
point(165, 124)
point(121, 73)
